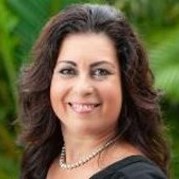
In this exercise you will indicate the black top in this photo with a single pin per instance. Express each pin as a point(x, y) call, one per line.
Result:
point(133, 167)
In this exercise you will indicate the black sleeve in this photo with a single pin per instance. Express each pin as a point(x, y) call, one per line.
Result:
point(139, 171)
point(136, 167)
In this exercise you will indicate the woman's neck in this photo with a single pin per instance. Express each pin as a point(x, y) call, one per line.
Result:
point(77, 146)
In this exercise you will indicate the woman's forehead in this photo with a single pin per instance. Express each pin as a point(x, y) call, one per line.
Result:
point(89, 46)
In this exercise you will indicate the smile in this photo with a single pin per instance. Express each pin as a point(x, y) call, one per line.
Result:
point(83, 108)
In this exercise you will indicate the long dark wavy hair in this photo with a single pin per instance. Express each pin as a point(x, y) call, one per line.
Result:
point(140, 119)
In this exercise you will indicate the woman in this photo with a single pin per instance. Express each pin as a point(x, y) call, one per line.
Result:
point(88, 107)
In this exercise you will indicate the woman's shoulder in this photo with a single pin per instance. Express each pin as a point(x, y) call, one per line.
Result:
point(132, 167)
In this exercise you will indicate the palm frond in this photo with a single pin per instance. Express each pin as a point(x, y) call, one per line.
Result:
point(165, 63)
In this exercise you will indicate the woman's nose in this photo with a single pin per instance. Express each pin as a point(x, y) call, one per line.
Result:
point(83, 86)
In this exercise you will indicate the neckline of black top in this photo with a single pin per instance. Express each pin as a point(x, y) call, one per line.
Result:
point(122, 164)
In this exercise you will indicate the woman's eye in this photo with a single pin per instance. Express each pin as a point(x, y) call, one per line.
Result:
point(67, 72)
point(100, 73)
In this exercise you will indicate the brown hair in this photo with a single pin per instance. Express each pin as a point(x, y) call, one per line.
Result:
point(140, 119)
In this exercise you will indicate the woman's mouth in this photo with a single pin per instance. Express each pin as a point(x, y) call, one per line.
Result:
point(83, 107)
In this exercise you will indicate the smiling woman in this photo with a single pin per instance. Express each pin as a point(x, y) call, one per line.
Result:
point(81, 88)
point(88, 108)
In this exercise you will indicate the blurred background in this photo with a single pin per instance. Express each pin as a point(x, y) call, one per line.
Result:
point(157, 22)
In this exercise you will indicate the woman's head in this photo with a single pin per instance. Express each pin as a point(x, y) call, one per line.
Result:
point(79, 19)
point(85, 88)
point(88, 19)
point(139, 119)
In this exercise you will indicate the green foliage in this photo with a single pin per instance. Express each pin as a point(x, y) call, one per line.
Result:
point(165, 63)
point(9, 169)
point(20, 23)
point(8, 69)
point(7, 84)
point(157, 22)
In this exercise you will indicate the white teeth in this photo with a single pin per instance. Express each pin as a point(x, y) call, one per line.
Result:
point(83, 107)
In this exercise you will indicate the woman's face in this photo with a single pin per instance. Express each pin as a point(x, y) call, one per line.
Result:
point(86, 88)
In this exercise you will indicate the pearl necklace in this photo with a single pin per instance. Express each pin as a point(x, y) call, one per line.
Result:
point(64, 165)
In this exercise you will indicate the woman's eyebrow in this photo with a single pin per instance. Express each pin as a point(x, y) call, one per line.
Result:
point(67, 61)
point(102, 63)
point(92, 65)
